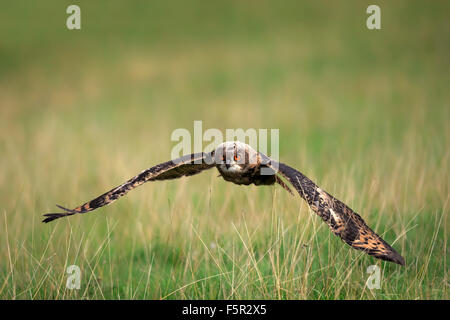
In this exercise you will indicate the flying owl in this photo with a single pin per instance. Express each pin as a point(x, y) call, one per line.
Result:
point(237, 162)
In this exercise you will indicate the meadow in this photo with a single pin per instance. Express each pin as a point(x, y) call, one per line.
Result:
point(363, 113)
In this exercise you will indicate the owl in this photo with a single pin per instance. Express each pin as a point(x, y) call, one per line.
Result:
point(239, 163)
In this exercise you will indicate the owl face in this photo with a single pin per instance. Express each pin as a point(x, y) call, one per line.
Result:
point(235, 157)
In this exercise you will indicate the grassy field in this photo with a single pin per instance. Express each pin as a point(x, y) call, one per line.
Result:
point(365, 114)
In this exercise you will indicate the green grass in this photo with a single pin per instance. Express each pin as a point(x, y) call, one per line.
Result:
point(363, 113)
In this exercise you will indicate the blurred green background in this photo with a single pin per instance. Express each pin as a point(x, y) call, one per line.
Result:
point(364, 113)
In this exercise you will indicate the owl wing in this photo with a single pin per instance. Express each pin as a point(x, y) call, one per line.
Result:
point(185, 166)
point(342, 220)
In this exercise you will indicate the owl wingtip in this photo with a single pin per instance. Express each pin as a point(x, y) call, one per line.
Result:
point(393, 256)
point(53, 216)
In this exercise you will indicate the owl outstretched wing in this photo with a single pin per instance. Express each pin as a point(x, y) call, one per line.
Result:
point(185, 166)
point(343, 221)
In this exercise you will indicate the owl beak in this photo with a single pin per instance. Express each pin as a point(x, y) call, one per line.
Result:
point(227, 165)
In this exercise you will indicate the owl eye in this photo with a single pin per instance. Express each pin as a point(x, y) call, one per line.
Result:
point(223, 158)
point(237, 157)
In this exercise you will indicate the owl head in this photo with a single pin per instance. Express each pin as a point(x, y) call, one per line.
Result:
point(235, 157)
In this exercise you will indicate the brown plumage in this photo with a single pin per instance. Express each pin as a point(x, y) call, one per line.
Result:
point(343, 221)
point(184, 166)
point(240, 164)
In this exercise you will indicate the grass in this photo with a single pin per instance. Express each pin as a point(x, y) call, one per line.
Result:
point(363, 113)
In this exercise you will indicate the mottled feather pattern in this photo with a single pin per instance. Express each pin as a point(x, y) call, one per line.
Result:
point(184, 166)
point(342, 220)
